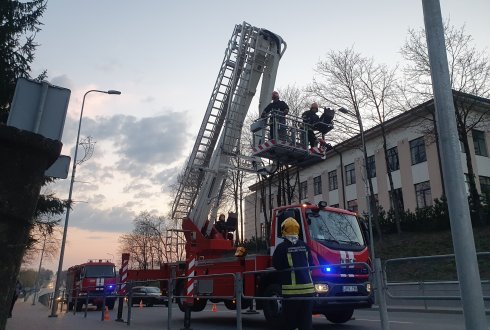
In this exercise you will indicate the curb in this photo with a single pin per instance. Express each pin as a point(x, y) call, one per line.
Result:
point(423, 310)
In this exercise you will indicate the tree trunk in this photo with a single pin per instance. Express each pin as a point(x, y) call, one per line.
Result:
point(475, 203)
point(394, 201)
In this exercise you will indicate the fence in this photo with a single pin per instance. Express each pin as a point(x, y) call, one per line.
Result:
point(204, 290)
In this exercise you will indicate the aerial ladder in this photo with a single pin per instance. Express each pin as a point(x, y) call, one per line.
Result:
point(252, 55)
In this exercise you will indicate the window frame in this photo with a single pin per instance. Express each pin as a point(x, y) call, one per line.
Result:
point(418, 154)
point(371, 167)
point(317, 185)
point(349, 204)
point(423, 194)
point(392, 155)
point(479, 142)
point(333, 182)
point(303, 189)
point(350, 174)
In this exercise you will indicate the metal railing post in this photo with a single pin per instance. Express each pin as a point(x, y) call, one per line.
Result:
point(238, 297)
point(130, 300)
point(380, 290)
point(103, 304)
point(170, 295)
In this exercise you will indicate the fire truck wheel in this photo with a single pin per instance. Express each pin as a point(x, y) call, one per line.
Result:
point(199, 305)
point(341, 316)
point(231, 304)
point(79, 306)
point(273, 308)
point(70, 305)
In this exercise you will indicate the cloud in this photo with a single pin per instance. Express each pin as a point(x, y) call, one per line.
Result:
point(62, 81)
point(141, 144)
point(114, 219)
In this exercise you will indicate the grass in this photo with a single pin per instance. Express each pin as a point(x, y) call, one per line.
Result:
point(429, 244)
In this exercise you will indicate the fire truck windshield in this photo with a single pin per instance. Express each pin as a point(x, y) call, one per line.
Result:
point(100, 271)
point(335, 230)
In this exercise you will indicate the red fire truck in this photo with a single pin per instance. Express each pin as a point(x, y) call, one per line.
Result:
point(337, 238)
point(91, 282)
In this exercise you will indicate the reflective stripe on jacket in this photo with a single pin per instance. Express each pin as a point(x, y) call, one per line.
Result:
point(295, 282)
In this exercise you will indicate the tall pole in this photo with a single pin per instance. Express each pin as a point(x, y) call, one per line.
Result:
point(65, 229)
point(459, 214)
point(36, 284)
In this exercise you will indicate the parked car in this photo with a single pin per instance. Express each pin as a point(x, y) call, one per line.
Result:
point(148, 295)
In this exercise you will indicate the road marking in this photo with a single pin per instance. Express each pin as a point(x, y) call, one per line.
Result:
point(371, 320)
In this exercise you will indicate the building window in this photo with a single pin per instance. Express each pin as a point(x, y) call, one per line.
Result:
point(423, 194)
point(350, 174)
point(398, 192)
point(393, 162)
point(332, 180)
point(485, 188)
point(262, 230)
point(352, 205)
point(317, 185)
point(303, 190)
point(417, 151)
point(479, 142)
point(371, 167)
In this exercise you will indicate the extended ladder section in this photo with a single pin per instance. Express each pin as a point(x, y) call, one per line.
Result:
point(252, 53)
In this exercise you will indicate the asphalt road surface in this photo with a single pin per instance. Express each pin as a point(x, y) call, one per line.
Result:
point(28, 317)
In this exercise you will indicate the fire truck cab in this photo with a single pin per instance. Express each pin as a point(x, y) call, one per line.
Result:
point(90, 283)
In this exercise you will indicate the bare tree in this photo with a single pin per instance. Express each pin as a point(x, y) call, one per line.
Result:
point(379, 85)
point(469, 70)
point(147, 243)
point(44, 238)
point(339, 81)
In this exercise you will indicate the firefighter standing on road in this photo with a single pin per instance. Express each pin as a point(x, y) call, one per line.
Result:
point(294, 253)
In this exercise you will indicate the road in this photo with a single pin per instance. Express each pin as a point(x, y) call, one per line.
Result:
point(28, 317)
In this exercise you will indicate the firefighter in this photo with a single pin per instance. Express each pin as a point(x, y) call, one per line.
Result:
point(294, 253)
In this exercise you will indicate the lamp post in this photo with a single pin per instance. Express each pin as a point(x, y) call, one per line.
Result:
point(376, 263)
point(73, 171)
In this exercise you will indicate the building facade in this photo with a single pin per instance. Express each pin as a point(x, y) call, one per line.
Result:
point(413, 160)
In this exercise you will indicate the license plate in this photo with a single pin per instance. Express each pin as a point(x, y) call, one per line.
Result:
point(349, 288)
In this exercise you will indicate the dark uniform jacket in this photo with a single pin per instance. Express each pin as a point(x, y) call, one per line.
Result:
point(274, 106)
point(297, 282)
point(309, 117)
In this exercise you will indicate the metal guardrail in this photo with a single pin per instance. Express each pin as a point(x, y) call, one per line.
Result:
point(423, 284)
point(238, 292)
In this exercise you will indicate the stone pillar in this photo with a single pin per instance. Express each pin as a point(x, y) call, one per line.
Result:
point(25, 156)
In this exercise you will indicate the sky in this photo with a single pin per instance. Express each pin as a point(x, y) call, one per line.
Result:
point(164, 57)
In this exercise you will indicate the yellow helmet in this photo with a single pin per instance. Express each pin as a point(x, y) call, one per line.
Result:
point(290, 227)
point(240, 251)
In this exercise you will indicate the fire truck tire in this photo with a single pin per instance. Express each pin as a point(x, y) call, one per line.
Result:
point(341, 316)
point(273, 308)
point(231, 304)
point(198, 305)
point(79, 306)
point(70, 305)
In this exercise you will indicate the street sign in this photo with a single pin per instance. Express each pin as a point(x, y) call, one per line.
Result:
point(39, 108)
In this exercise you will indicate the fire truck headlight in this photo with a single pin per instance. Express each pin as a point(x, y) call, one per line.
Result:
point(368, 287)
point(321, 288)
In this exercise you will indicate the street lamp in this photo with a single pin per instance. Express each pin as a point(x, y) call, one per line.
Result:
point(73, 171)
